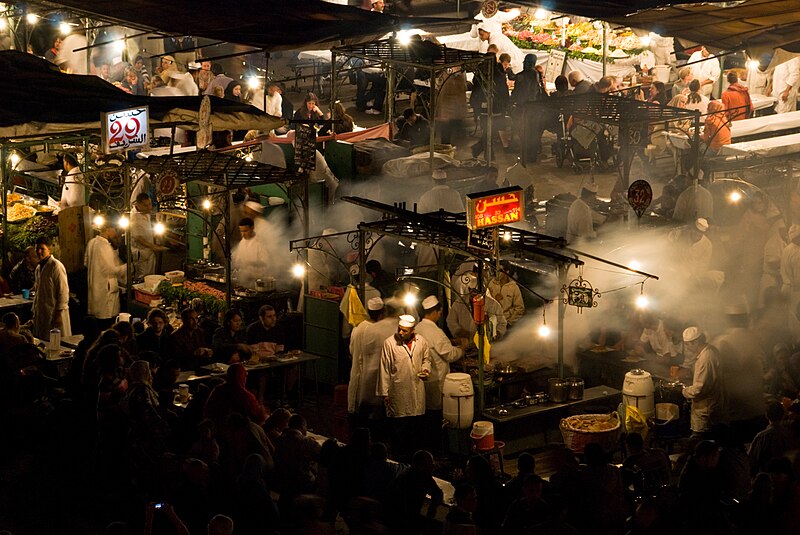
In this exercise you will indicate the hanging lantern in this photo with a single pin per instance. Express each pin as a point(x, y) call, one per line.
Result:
point(580, 294)
point(640, 195)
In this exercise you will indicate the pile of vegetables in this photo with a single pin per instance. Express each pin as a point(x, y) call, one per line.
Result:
point(180, 295)
point(25, 234)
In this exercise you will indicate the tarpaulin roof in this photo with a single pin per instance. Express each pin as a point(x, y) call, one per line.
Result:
point(38, 99)
point(757, 26)
point(276, 25)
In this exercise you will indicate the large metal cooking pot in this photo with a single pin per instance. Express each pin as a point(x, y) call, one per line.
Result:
point(557, 390)
point(575, 388)
point(503, 369)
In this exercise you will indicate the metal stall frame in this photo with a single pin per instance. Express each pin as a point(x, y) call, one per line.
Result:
point(225, 173)
point(627, 114)
point(394, 56)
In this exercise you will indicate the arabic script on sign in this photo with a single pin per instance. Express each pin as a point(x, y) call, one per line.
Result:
point(126, 129)
point(499, 209)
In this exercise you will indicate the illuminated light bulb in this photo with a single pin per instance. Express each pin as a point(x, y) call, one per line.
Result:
point(646, 40)
point(298, 271)
point(253, 83)
point(507, 236)
point(541, 14)
point(64, 28)
point(14, 159)
point(206, 204)
point(119, 46)
point(159, 229)
point(249, 157)
point(752, 64)
point(544, 330)
point(32, 18)
point(642, 301)
point(635, 265)
point(99, 221)
point(404, 37)
point(735, 196)
point(3, 23)
point(410, 299)
point(123, 222)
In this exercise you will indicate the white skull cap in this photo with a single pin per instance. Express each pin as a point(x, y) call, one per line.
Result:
point(690, 334)
point(429, 302)
point(376, 303)
point(701, 224)
point(407, 321)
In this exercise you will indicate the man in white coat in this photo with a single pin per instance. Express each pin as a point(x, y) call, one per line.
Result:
point(706, 391)
point(105, 271)
point(581, 218)
point(73, 193)
point(443, 352)
point(405, 364)
point(362, 403)
point(492, 34)
point(51, 300)
point(143, 245)
point(705, 68)
point(460, 320)
point(249, 259)
point(785, 79)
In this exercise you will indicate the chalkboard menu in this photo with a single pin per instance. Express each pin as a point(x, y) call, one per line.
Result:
point(305, 147)
point(555, 65)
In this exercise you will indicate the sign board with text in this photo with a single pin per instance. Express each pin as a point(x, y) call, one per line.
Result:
point(125, 129)
point(496, 207)
point(305, 147)
point(555, 64)
point(481, 241)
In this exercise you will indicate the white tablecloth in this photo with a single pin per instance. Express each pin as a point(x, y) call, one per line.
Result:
point(761, 102)
point(771, 146)
point(315, 55)
point(766, 124)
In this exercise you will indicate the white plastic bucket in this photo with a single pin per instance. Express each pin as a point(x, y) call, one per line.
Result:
point(638, 391)
point(483, 436)
point(661, 73)
point(458, 404)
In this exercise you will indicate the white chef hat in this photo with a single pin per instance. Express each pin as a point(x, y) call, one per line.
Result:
point(255, 205)
point(407, 321)
point(376, 303)
point(690, 334)
point(430, 302)
point(439, 174)
point(701, 224)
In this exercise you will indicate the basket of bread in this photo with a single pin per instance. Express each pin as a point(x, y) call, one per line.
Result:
point(582, 429)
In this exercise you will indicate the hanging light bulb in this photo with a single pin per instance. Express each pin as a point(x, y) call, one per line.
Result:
point(253, 83)
point(123, 222)
point(32, 18)
point(507, 235)
point(99, 220)
point(410, 299)
point(159, 229)
point(206, 204)
point(642, 301)
point(544, 330)
point(298, 271)
point(64, 28)
point(635, 265)
point(14, 159)
point(3, 24)
point(752, 64)
point(735, 196)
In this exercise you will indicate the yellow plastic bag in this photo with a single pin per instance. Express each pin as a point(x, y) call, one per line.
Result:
point(635, 422)
point(486, 346)
point(356, 311)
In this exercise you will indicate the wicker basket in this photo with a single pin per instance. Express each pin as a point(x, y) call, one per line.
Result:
point(576, 440)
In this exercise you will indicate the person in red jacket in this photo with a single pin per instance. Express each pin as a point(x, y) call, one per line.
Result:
point(233, 396)
point(737, 99)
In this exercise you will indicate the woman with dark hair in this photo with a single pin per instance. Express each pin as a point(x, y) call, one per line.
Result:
point(233, 91)
point(658, 93)
point(229, 340)
point(696, 100)
point(309, 110)
point(156, 336)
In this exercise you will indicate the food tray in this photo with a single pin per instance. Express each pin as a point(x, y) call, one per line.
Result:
point(143, 296)
point(576, 439)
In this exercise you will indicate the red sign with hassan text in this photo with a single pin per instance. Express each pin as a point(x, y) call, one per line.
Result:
point(496, 207)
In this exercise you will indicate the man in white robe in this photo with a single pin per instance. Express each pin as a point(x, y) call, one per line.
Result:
point(143, 245)
point(785, 79)
point(705, 68)
point(51, 298)
point(105, 273)
point(249, 261)
point(73, 193)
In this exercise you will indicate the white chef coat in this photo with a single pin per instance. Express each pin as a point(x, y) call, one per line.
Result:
point(274, 103)
point(250, 259)
point(786, 74)
point(693, 202)
point(757, 81)
point(144, 259)
point(357, 366)
point(504, 46)
point(73, 193)
point(741, 359)
point(105, 271)
point(580, 221)
point(461, 324)
point(372, 339)
point(442, 353)
point(706, 391)
point(398, 376)
point(52, 295)
point(658, 339)
point(698, 256)
point(705, 70)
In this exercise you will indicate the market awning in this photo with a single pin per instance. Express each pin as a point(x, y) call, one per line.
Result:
point(271, 26)
point(216, 168)
point(424, 55)
point(38, 99)
point(757, 26)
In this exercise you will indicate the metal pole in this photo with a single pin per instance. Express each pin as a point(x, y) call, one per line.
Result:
point(605, 46)
point(562, 309)
point(489, 109)
point(362, 277)
point(226, 246)
point(128, 252)
point(389, 108)
point(266, 78)
point(432, 118)
point(481, 334)
point(4, 176)
point(334, 75)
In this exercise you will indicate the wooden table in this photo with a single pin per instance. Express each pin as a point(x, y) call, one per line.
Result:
point(261, 369)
